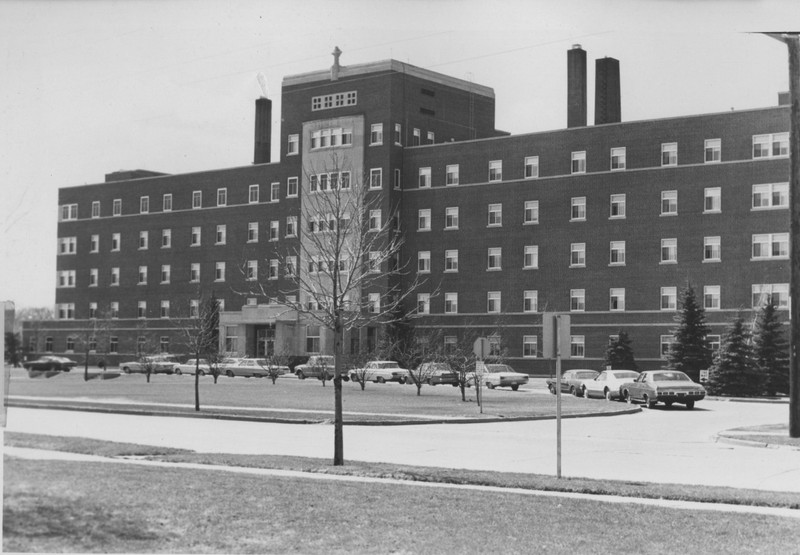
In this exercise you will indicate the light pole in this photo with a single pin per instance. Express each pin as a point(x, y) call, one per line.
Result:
point(792, 41)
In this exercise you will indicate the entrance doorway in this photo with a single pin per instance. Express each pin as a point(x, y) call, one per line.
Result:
point(265, 341)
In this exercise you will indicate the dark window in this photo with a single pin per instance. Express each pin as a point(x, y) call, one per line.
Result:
point(427, 112)
point(428, 92)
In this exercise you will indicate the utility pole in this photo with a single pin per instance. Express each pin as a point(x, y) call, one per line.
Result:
point(792, 41)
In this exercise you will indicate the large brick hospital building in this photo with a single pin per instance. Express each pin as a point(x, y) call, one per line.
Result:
point(607, 222)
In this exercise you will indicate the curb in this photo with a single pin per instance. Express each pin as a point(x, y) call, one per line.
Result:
point(278, 420)
point(721, 438)
point(781, 400)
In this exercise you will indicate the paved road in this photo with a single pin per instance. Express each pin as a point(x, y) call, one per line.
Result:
point(659, 445)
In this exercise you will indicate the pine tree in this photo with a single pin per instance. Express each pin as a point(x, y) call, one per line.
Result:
point(734, 370)
point(771, 350)
point(690, 351)
point(619, 353)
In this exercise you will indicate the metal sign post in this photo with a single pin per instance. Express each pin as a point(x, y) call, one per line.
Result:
point(555, 342)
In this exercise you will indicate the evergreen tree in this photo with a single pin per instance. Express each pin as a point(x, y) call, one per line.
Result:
point(619, 353)
point(690, 351)
point(771, 350)
point(734, 371)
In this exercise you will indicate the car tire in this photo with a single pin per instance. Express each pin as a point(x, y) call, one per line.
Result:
point(300, 375)
point(667, 404)
point(490, 385)
point(229, 374)
point(689, 405)
point(514, 387)
point(429, 382)
point(585, 392)
point(552, 389)
point(126, 369)
point(178, 372)
point(380, 379)
point(647, 402)
point(455, 384)
point(401, 381)
point(607, 394)
point(201, 373)
point(572, 390)
point(627, 397)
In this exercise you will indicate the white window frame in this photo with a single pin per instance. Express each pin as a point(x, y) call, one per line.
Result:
point(451, 217)
point(424, 178)
point(618, 206)
point(531, 167)
point(424, 219)
point(166, 273)
point(578, 162)
point(424, 262)
point(770, 196)
point(291, 187)
point(376, 178)
point(712, 200)
point(221, 236)
point(577, 300)
point(712, 297)
point(252, 232)
point(669, 154)
point(423, 303)
point(219, 271)
point(712, 249)
point(144, 204)
point(616, 299)
point(530, 346)
point(669, 299)
point(376, 134)
point(494, 216)
point(530, 257)
point(616, 253)
point(530, 214)
point(781, 240)
point(166, 202)
point(669, 203)
point(451, 261)
point(577, 346)
point(669, 250)
point(577, 211)
point(197, 200)
point(452, 171)
point(530, 301)
point(618, 158)
point(577, 255)
point(494, 302)
point(761, 292)
point(116, 242)
point(292, 144)
point(495, 171)
point(451, 303)
point(712, 151)
point(494, 259)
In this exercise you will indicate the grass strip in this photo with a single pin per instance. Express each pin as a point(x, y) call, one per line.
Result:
point(646, 490)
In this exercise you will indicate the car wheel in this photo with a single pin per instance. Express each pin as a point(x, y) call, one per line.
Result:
point(689, 405)
point(178, 372)
point(552, 389)
point(380, 380)
point(490, 385)
point(647, 402)
point(572, 390)
point(229, 374)
point(201, 373)
point(585, 392)
point(300, 375)
point(429, 382)
point(668, 403)
point(401, 381)
point(514, 387)
point(126, 369)
point(455, 384)
point(607, 394)
point(627, 397)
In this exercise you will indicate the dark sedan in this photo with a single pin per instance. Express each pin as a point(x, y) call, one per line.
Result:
point(49, 362)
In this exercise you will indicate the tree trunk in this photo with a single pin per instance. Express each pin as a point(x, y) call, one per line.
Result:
point(338, 435)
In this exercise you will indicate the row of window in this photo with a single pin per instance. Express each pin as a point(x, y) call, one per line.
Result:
point(66, 311)
point(764, 146)
point(765, 246)
point(70, 211)
point(69, 245)
point(376, 135)
point(668, 300)
point(765, 196)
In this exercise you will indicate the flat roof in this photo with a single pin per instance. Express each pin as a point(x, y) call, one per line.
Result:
point(389, 65)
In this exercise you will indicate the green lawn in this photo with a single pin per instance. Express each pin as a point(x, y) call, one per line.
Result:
point(56, 506)
point(313, 402)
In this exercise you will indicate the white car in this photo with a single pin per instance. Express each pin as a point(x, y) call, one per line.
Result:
point(380, 371)
point(501, 375)
point(607, 384)
point(247, 367)
point(191, 365)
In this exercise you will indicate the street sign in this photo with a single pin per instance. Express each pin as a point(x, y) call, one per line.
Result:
point(555, 335)
point(481, 348)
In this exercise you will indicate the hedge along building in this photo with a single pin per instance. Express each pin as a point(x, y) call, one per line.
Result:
point(608, 222)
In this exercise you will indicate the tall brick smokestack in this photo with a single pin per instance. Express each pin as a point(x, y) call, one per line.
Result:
point(607, 102)
point(576, 86)
point(263, 142)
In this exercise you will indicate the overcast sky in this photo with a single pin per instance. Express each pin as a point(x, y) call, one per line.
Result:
point(90, 87)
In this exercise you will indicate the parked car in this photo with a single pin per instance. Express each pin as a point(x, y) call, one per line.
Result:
point(500, 375)
point(50, 362)
point(607, 384)
point(158, 364)
point(317, 366)
point(434, 373)
point(380, 371)
point(666, 386)
point(247, 367)
point(572, 380)
point(191, 365)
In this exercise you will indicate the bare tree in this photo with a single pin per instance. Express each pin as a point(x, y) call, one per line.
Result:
point(201, 337)
point(276, 364)
point(345, 266)
point(94, 338)
point(146, 348)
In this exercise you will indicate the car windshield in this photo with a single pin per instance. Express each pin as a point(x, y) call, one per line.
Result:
point(384, 365)
point(625, 375)
point(670, 377)
point(495, 368)
point(585, 375)
point(261, 361)
point(327, 361)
